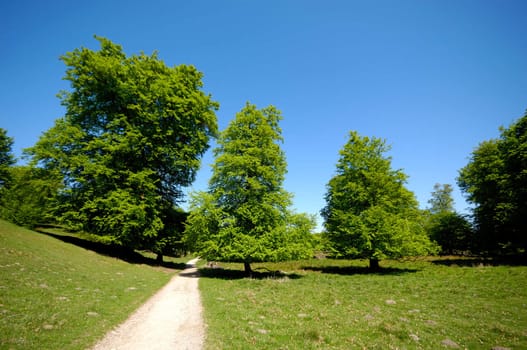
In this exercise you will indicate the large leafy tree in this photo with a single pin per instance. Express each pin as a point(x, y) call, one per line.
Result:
point(495, 181)
point(7, 158)
point(369, 212)
point(132, 136)
point(244, 217)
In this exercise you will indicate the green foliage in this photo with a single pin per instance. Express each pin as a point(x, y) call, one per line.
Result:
point(441, 200)
point(169, 240)
point(30, 198)
point(369, 212)
point(244, 217)
point(495, 181)
point(132, 137)
point(7, 158)
point(452, 231)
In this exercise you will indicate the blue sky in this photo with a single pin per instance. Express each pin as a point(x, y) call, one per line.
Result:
point(433, 78)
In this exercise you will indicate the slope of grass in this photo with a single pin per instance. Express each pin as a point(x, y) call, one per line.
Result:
point(55, 295)
point(328, 304)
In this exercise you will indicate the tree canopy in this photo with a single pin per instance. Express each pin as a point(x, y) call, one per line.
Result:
point(132, 137)
point(7, 158)
point(495, 181)
point(30, 197)
point(369, 213)
point(244, 217)
point(451, 230)
point(441, 200)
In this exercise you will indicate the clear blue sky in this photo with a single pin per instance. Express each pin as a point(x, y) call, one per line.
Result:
point(434, 78)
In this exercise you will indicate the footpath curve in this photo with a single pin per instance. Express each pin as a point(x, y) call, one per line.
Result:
point(171, 319)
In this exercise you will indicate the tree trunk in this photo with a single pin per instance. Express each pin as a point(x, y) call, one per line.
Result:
point(248, 270)
point(374, 264)
point(159, 258)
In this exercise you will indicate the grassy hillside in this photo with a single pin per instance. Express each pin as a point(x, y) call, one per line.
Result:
point(55, 295)
point(329, 304)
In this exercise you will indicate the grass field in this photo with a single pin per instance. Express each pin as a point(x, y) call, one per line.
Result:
point(56, 295)
point(338, 304)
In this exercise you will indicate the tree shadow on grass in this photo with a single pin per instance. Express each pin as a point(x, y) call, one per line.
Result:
point(228, 274)
point(453, 261)
point(359, 270)
point(113, 250)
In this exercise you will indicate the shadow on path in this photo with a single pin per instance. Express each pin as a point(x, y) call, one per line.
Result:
point(113, 250)
point(190, 273)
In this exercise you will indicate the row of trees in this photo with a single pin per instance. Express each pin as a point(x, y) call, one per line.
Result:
point(495, 181)
point(133, 136)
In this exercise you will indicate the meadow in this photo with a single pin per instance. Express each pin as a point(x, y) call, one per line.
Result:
point(57, 295)
point(427, 303)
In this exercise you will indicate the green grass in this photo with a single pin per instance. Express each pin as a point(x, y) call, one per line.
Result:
point(55, 295)
point(329, 304)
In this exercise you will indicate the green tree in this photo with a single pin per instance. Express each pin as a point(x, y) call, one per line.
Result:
point(244, 216)
point(169, 240)
point(441, 200)
point(369, 213)
point(6, 157)
point(495, 181)
point(452, 231)
point(132, 136)
point(30, 197)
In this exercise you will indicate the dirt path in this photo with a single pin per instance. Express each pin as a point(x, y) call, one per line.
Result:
point(171, 319)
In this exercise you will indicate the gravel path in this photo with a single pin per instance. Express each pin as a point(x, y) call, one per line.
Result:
point(171, 319)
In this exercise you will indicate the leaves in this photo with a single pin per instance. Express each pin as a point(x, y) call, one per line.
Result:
point(369, 213)
point(495, 180)
point(31, 196)
point(132, 138)
point(441, 200)
point(6, 157)
point(244, 217)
